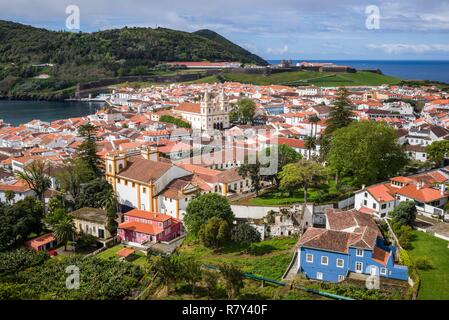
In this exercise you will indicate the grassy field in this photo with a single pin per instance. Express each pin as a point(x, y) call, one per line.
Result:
point(111, 253)
point(323, 79)
point(325, 193)
point(272, 263)
point(435, 281)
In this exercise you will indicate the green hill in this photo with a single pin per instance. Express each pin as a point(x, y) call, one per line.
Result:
point(82, 57)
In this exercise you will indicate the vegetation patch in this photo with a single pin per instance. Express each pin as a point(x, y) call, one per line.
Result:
point(435, 276)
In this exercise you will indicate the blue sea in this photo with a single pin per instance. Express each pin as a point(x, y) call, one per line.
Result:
point(409, 70)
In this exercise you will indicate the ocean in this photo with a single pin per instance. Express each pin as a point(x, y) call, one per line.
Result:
point(409, 70)
point(18, 112)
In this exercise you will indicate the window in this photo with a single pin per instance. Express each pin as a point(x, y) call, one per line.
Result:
point(365, 202)
point(341, 278)
point(101, 233)
point(366, 194)
point(340, 263)
point(384, 206)
point(374, 205)
point(144, 190)
point(358, 267)
point(309, 258)
point(383, 271)
point(359, 253)
point(319, 275)
point(324, 260)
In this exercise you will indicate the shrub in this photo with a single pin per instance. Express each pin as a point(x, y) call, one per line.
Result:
point(423, 263)
point(245, 234)
point(85, 241)
point(214, 233)
point(257, 249)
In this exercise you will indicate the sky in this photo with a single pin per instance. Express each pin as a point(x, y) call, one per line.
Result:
point(272, 29)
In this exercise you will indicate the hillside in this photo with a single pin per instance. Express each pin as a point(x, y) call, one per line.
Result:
point(81, 57)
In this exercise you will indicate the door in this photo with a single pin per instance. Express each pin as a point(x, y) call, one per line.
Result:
point(358, 267)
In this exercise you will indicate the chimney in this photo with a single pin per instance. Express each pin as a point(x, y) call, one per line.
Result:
point(442, 188)
point(363, 187)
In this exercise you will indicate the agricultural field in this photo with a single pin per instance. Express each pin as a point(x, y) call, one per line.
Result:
point(298, 78)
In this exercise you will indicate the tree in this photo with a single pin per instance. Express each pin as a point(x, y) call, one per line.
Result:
point(19, 220)
point(340, 113)
point(64, 230)
point(253, 172)
point(404, 213)
point(304, 173)
point(233, 278)
point(366, 150)
point(110, 204)
point(214, 233)
point(9, 196)
point(87, 150)
point(438, 151)
point(75, 172)
point(314, 119)
point(244, 110)
point(245, 234)
point(191, 272)
point(285, 155)
point(165, 267)
point(310, 144)
point(35, 175)
point(53, 217)
point(204, 207)
point(95, 193)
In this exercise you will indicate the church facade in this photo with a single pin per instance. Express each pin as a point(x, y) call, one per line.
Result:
point(212, 113)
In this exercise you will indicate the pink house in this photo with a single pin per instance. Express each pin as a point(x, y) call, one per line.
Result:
point(141, 226)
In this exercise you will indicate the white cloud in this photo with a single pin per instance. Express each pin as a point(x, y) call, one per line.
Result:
point(278, 51)
point(395, 48)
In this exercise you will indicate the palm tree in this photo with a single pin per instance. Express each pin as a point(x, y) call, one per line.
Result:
point(9, 196)
point(64, 230)
point(314, 120)
point(36, 176)
point(310, 143)
point(110, 204)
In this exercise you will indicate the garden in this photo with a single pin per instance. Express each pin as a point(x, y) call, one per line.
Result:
point(431, 255)
point(269, 258)
point(327, 192)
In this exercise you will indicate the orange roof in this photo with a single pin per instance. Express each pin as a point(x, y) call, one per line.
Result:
point(402, 179)
point(125, 252)
point(380, 192)
point(423, 194)
point(294, 143)
point(39, 241)
point(148, 215)
point(189, 107)
point(140, 227)
point(380, 255)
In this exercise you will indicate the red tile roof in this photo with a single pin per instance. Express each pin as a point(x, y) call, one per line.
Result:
point(145, 228)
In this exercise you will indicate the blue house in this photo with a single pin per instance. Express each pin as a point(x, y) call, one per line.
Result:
point(351, 242)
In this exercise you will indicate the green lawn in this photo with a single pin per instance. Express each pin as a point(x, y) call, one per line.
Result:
point(325, 193)
point(272, 264)
point(434, 282)
point(323, 79)
point(111, 253)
